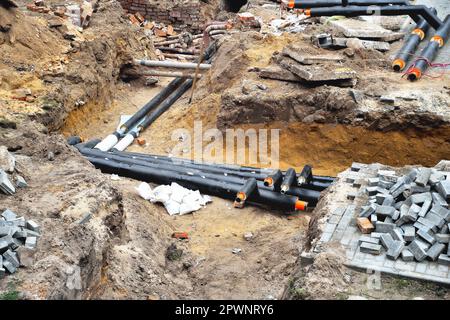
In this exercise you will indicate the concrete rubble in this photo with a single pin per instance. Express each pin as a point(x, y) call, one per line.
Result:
point(408, 215)
point(18, 241)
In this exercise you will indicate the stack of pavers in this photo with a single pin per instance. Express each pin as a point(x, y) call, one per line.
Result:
point(18, 239)
point(407, 215)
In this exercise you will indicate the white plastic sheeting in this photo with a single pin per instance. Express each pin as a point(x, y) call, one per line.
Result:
point(176, 199)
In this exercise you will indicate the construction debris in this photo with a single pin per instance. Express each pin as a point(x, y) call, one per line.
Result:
point(18, 240)
point(410, 213)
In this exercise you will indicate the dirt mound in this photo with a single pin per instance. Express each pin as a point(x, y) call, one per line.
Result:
point(64, 72)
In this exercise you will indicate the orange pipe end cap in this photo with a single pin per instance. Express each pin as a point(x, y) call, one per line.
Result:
point(416, 72)
point(398, 63)
point(301, 205)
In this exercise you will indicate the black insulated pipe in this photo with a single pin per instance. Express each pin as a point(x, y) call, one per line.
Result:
point(305, 176)
point(415, 12)
point(308, 4)
point(215, 187)
point(430, 52)
point(410, 46)
point(274, 180)
point(288, 180)
point(306, 193)
point(250, 186)
point(244, 171)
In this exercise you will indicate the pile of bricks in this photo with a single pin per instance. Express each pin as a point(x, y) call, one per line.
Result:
point(182, 14)
point(157, 29)
point(18, 239)
point(407, 215)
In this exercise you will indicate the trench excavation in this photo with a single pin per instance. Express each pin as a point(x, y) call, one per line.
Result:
point(109, 241)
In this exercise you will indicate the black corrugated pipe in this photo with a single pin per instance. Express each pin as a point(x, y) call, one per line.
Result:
point(410, 46)
point(304, 193)
point(308, 4)
point(415, 12)
point(215, 187)
point(430, 52)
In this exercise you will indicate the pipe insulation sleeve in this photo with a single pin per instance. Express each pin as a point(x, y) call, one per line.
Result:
point(108, 143)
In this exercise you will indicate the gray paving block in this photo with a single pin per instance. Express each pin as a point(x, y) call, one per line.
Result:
point(368, 240)
point(373, 218)
point(436, 219)
point(435, 177)
point(385, 184)
point(383, 227)
point(367, 211)
point(386, 240)
point(9, 266)
point(20, 182)
point(418, 189)
point(443, 187)
point(437, 199)
point(444, 229)
point(428, 224)
point(371, 248)
point(31, 225)
point(373, 182)
point(5, 184)
point(442, 212)
point(423, 176)
point(4, 231)
point(396, 215)
point(421, 197)
point(417, 250)
point(425, 236)
point(351, 195)
point(356, 166)
point(435, 250)
point(444, 259)
point(398, 205)
point(371, 191)
point(387, 175)
point(409, 233)
point(11, 257)
point(385, 211)
point(425, 208)
point(395, 249)
point(407, 255)
point(442, 238)
point(31, 242)
point(376, 235)
point(398, 191)
point(3, 246)
point(388, 200)
point(9, 215)
point(397, 234)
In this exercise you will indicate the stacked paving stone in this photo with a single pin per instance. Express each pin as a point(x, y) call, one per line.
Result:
point(181, 13)
point(18, 239)
point(407, 215)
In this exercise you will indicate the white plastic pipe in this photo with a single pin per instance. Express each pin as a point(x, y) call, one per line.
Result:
point(108, 143)
point(124, 143)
